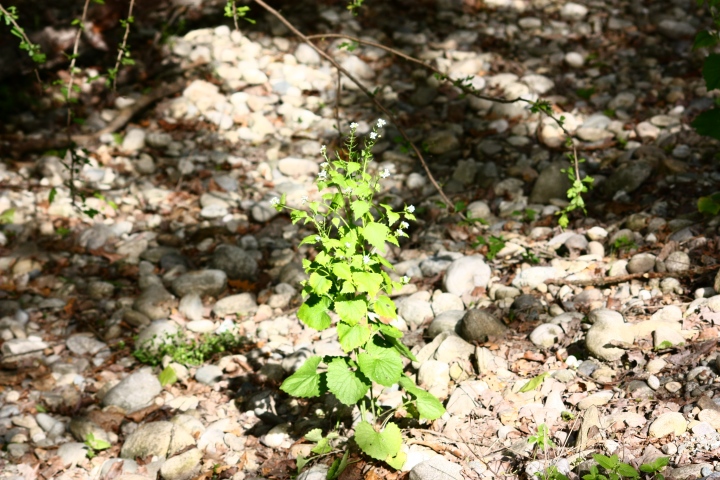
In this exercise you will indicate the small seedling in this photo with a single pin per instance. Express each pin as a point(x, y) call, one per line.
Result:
point(187, 351)
point(95, 445)
point(494, 245)
point(623, 243)
point(542, 438)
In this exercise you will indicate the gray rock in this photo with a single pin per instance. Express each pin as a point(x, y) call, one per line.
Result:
point(162, 439)
point(307, 55)
point(296, 167)
point(209, 374)
point(676, 30)
point(134, 392)
point(677, 262)
point(434, 376)
point(81, 427)
point(155, 334)
point(182, 467)
point(573, 11)
point(192, 307)
point(416, 309)
point(445, 322)
point(466, 273)
point(240, 304)
point(664, 337)
point(534, 276)
point(641, 263)
point(21, 346)
point(263, 212)
point(82, 344)
point(607, 326)
point(477, 325)
point(316, 472)
point(443, 302)
point(201, 282)
point(235, 262)
point(551, 183)
point(72, 453)
point(155, 302)
point(442, 142)
point(627, 178)
point(546, 335)
point(158, 139)
point(454, 348)
point(437, 468)
point(668, 423)
point(134, 140)
point(593, 134)
point(479, 209)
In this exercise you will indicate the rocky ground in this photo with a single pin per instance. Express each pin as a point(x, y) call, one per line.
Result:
point(194, 250)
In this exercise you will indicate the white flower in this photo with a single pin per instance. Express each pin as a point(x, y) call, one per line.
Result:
point(348, 244)
point(405, 279)
point(304, 199)
point(373, 135)
point(323, 149)
point(353, 126)
point(380, 123)
point(324, 165)
point(317, 238)
point(366, 259)
point(404, 225)
point(275, 201)
point(372, 316)
point(399, 233)
point(322, 174)
point(385, 173)
point(411, 208)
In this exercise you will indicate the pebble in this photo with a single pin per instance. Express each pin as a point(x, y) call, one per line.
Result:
point(668, 423)
point(465, 274)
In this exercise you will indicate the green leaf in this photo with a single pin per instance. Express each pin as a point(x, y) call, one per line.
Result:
point(385, 307)
point(380, 363)
point(305, 382)
point(351, 311)
point(167, 376)
point(392, 216)
point(710, 204)
point(323, 258)
point(389, 331)
point(428, 406)
point(323, 446)
point(342, 271)
point(300, 462)
point(367, 282)
point(320, 283)
point(313, 312)
point(376, 234)
point(359, 208)
point(52, 195)
point(708, 123)
point(397, 461)
point(378, 445)
point(96, 443)
point(310, 239)
point(314, 435)
point(534, 383)
point(338, 466)
point(627, 471)
point(608, 463)
point(7, 216)
point(352, 337)
point(402, 349)
point(348, 385)
point(704, 39)
point(711, 71)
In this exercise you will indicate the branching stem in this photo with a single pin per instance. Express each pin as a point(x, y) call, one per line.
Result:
point(123, 45)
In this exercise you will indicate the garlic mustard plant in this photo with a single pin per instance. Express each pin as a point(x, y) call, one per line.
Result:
point(347, 277)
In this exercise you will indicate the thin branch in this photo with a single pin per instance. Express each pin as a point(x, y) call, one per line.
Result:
point(73, 60)
point(369, 94)
point(9, 17)
point(235, 15)
point(123, 46)
point(599, 281)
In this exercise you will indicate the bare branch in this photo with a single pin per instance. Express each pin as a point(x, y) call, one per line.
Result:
point(123, 45)
point(73, 60)
point(9, 17)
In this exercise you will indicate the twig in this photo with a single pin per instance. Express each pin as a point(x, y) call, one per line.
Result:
point(123, 45)
point(369, 94)
point(74, 56)
point(626, 278)
point(9, 17)
point(235, 16)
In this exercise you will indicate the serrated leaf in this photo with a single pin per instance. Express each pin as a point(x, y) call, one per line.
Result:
point(367, 282)
point(310, 239)
point(428, 406)
point(391, 215)
point(338, 466)
point(534, 383)
point(704, 39)
point(313, 312)
point(348, 385)
point(711, 71)
point(397, 461)
point(342, 271)
point(402, 349)
point(322, 258)
point(385, 307)
point(314, 435)
point(384, 262)
point(305, 382)
point(300, 462)
point(351, 311)
point(359, 208)
point(375, 234)
point(380, 363)
point(378, 445)
point(347, 287)
point(708, 123)
point(167, 376)
point(323, 446)
point(352, 337)
point(389, 331)
point(320, 283)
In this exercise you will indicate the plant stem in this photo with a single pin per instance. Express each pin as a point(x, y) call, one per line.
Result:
point(10, 18)
point(121, 48)
point(76, 45)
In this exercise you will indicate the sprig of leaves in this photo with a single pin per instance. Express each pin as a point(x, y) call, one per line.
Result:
point(348, 276)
